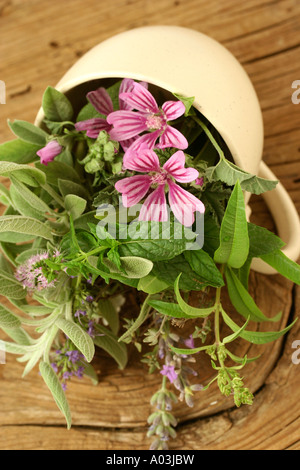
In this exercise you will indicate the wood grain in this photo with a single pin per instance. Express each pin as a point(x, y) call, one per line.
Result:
point(40, 40)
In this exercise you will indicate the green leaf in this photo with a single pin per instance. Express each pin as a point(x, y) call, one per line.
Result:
point(28, 132)
point(23, 207)
point(203, 264)
point(242, 300)
point(56, 106)
point(134, 267)
point(10, 287)
point(187, 352)
point(283, 265)
point(55, 169)
point(143, 315)
point(25, 225)
point(75, 205)
point(256, 337)
point(78, 336)
point(193, 311)
point(69, 187)
point(188, 103)
point(155, 241)
point(30, 197)
point(108, 311)
point(169, 270)
point(18, 151)
point(168, 309)
point(150, 284)
point(24, 173)
point(109, 342)
point(234, 239)
point(262, 241)
point(8, 319)
point(230, 338)
point(229, 173)
point(55, 388)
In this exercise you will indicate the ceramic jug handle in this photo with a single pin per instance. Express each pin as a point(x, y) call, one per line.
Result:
point(286, 218)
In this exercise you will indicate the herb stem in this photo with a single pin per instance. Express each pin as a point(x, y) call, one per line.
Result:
point(210, 136)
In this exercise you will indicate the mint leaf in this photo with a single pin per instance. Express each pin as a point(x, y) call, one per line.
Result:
point(203, 264)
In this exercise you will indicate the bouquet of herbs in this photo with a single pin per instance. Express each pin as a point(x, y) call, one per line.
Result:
point(131, 193)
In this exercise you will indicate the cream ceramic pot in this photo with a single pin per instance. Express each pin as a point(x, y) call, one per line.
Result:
point(189, 63)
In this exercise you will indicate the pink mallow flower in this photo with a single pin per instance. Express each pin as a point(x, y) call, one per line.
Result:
point(49, 152)
point(135, 188)
point(102, 102)
point(148, 118)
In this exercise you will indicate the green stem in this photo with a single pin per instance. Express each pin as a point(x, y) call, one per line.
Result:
point(210, 136)
point(53, 194)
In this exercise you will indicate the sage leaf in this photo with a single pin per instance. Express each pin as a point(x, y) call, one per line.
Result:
point(242, 300)
point(109, 342)
point(25, 173)
point(8, 319)
point(10, 287)
point(150, 284)
point(18, 151)
point(234, 239)
point(75, 205)
point(56, 106)
point(108, 311)
point(256, 337)
point(25, 225)
point(30, 197)
point(133, 267)
point(55, 388)
point(78, 336)
point(28, 132)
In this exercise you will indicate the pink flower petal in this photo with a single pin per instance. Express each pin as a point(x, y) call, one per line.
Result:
point(175, 167)
point(155, 207)
point(49, 152)
point(93, 126)
point(183, 204)
point(142, 142)
point(101, 101)
point(172, 138)
point(144, 161)
point(126, 124)
point(133, 188)
point(140, 99)
point(173, 109)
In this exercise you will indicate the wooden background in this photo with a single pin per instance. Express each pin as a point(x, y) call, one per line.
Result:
point(39, 41)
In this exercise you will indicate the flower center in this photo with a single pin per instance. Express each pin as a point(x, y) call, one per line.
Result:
point(158, 178)
point(155, 121)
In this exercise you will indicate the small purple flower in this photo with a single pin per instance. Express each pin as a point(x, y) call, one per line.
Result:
point(190, 342)
point(169, 371)
point(74, 356)
point(89, 298)
point(49, 152)
point(199, 181)
point(31, 274)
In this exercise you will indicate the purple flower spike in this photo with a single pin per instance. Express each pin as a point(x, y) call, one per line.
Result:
point(169, 371)
point(190, 342)
point(49, 152)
